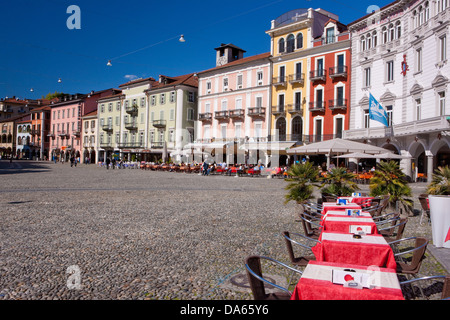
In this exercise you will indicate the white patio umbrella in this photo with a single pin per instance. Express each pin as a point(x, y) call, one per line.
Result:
point(357, 156)
point(336, 146)
point(390, 155)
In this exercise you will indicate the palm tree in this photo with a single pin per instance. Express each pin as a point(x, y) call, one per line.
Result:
point(302, 179)
point(339, 183)
point(440, 184)
point(389, 179)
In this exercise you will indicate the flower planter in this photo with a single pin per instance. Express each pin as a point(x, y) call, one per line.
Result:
point(440, 219)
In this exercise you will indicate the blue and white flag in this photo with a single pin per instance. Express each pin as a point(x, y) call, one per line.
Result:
point(377, 112)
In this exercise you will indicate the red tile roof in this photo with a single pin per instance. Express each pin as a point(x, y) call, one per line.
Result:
point(240, 61)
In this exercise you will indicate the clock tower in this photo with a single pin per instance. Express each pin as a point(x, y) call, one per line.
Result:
point(227, 53)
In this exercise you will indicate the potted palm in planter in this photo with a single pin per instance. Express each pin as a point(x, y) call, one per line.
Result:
point(390, 180)
point(302, 180)
point(439, 198)
point(339, 182)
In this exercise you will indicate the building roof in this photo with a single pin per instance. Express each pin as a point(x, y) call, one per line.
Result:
point(165, 81)
point(240, 61)
point(90, 114)
point(137, 81)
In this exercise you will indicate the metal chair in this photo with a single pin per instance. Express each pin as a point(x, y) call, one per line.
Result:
point(300, 261)
point(445, 293)
point(395, 231)
point(311, 229)
point(257, 281)
point(425, 207)
point(410, 265)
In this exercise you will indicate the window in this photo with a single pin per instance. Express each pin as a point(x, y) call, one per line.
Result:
point(239, 103)
point(390, 71)
point(162, 98)
point(142, 102)
point(281, 45)
point(190, 115)
point(330, 35)
point(281, 102)
point(419, 60)
point(259, 101)
point(298, 101)
point(172, 114)
point(223, 130)
point(239, 81)
point(237, 130)
point(363, 44)
point(224, 105)
point(191, 97)
point(259, 76)
point(290, 44)
point(443, 48)
point(366, 119)
point(208, 87)
point(391, 32)
point(367, 77)
point(442, 103)
point(319, 130)
point(171, 135)
point(398, 30)
point(374, 39)
point(225, 84)
point(339, 126)
point(299, 40)
point(63, 114)
point(118, 106)
point(109, 107)
point(389, 113)
point(258, 130)
point(418, 109)
point(172, 97)
point(385, 35)
point(282, 73)
point(153, 100)
point(298, 71)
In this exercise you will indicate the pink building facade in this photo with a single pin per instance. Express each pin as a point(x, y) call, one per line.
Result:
point(234, 103)
point(66, 123)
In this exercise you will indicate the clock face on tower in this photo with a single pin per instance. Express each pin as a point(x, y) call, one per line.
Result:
point(221, 61)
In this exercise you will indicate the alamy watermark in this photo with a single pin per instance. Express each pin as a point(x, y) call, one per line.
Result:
point(74, 21)
point(74, 280)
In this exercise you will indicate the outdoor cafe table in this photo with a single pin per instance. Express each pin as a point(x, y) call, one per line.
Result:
point(326, 206)
point(342, 223)
point(369, 250)
point(316, 283)
point(362, 201)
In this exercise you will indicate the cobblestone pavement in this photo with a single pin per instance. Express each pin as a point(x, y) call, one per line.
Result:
point(133, 234)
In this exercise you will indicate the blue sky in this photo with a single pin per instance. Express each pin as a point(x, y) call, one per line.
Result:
point(140, 37)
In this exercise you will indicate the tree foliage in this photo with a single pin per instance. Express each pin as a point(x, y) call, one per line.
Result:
point(339, 182)
point(440, 183)
point(302, 180)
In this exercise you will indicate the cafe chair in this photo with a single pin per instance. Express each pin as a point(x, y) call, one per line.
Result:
point(438, 286)
point(423, 199)
point(311, 229)
point(394, 232)
point(258, 282)
point(313, 208)
point(408, 260)
point(328, 197)
point(299, 261)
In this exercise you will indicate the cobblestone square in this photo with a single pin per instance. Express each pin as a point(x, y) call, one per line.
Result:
point(136, 234)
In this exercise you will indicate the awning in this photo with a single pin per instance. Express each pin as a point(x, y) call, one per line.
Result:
point(336, 146)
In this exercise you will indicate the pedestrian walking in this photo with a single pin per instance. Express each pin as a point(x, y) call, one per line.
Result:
point(108, 161)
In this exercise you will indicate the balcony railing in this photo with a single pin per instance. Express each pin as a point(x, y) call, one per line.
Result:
point(77, 132)
point(297, 78)
point(295, 108)
point(318, 75)
point(107, 127)
point(131, 145)
point(106, 145)
point(317, 106)
point(221, 115)
point(51, 134)
point(131, 125)
point(256, 111)
point(337, 104)
point(133, 110)
point(159, 123)
point(205, 116)
point(278, 110)
point(279, 81)
point(339, 71)
point(237, 113)
point(156, 144)
point(63, 134)
point(304, 138)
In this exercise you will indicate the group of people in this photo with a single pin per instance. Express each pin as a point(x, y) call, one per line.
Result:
point(113, 163)
point(223, 168)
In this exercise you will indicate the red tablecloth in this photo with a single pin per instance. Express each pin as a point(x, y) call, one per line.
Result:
point(342, 223)
point(326, 206)
point(370, 250)
point(316, 284)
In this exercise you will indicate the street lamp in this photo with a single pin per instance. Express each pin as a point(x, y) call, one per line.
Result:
point(182, 39)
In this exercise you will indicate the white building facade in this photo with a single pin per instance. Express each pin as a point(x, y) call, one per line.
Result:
point(400, 57)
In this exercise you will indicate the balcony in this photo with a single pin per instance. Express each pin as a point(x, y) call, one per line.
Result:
point(237, 113)
point(338, 72)
point(63, 134)
point(256, 112)
point(130, 145)
point(107, 127)
point(338, 104)
point(35, 132)
point(279, 81)
point(205, 116)
point(131, 125)
point(278, 110)
point(159, 124)
point(295, 108)
point(318, 75)
point(133, 110)
point(298, 78)
point(156, 144)
point(317, 106)
point(104, 145)
point(51, 135)
point(77, 132)
point(221, 115)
